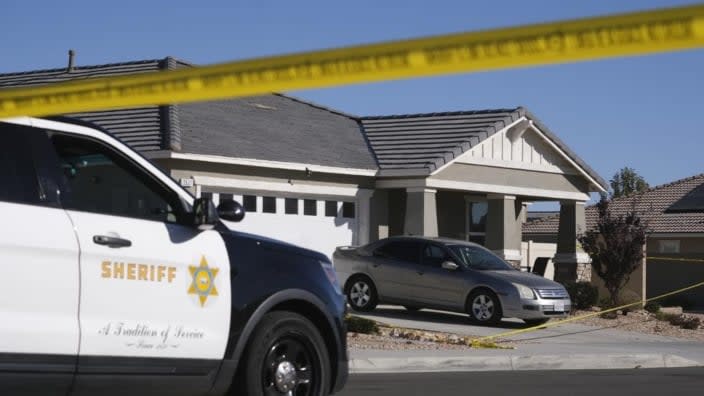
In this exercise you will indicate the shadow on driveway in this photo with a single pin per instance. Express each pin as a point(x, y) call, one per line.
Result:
point(436, 317)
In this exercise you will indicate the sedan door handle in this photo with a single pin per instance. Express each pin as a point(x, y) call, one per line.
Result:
point(420, 272)
point(113, 242)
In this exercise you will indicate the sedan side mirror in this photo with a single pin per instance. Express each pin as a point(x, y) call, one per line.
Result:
point(231, 211)
point(450, 266)
point(205, 216)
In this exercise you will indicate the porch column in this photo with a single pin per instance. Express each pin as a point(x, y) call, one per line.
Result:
point(379, 215)
point(571, 264)
point(421, 212)
point(503, 227)
point(364, 213)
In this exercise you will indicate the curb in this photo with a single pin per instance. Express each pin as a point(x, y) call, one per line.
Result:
point(517, 363)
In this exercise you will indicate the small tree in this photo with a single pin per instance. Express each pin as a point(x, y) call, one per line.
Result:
point(615, 247)
point(626, 182)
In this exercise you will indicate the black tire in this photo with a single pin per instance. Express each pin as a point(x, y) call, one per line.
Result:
point(536, 322)
point(361, 294)
point(484, 307)
point(288, 344)
point(411, 308)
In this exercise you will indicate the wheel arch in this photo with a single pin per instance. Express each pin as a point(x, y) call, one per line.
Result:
point(482, 287)
point(301, 302)
point(352, 277)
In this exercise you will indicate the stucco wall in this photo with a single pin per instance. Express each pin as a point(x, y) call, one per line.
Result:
point(487, 175)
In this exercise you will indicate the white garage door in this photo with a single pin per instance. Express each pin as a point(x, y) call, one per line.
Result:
point(317, 224)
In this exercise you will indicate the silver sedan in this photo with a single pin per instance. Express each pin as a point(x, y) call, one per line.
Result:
point(448, 275)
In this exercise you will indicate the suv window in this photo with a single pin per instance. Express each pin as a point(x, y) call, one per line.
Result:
point(434, 255)
point(100, 180)
point(408, 251)
point(23, 166)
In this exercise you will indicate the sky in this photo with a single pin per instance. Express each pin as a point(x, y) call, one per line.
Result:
point(641, 112)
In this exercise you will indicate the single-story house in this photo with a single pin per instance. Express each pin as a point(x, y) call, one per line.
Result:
point(322, 178)
point(674, 214)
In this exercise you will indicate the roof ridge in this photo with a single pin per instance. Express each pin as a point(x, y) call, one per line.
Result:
point(87, 67)
point(316, 105)
point(442, 113)
point(620, 199)
point(659, 187)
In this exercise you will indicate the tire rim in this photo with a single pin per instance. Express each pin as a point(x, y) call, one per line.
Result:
point(289, 368)
point(360, 294)
point(483, 307)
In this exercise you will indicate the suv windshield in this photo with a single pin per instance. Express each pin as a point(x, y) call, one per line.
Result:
point(480, 259)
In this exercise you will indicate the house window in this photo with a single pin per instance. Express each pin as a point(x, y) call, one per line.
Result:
point(250, 203)
point(310, 207)
point(268, 205)
point(226, 198)
point(475, 224)
point(291, 206)
point(331, 208)
point(348, 210)
point(669, 246)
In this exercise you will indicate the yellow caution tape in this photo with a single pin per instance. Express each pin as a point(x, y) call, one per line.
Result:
point(569, 41)
point(676, 259)
point(481, 340)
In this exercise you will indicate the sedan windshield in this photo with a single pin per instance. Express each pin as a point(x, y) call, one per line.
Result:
point(480, 259)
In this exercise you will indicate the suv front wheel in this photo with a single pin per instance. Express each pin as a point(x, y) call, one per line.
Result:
point(286, 356)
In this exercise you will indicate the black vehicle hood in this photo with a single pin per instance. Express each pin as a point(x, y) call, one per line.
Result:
point(279, 246)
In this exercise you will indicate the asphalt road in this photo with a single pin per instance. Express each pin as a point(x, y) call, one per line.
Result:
point(641, 382)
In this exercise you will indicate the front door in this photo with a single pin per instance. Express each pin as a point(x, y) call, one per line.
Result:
point(155, 292)
point(39, 272)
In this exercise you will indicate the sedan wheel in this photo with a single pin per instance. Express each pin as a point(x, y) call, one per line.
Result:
point(361, 295)
point(484, 307)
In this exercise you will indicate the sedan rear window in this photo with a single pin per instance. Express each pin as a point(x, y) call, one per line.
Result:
point(480, 259)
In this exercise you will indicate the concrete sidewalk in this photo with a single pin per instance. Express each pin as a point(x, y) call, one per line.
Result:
point(568, 346)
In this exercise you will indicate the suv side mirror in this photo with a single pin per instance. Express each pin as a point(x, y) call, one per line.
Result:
point(231, 211)
point(205, 216)
point(450, 266)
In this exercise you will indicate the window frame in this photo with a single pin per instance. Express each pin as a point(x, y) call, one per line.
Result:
point(448, 256)
point(419, 245)
point(265, 199)
point(307, 202)
point(46, 182)
point(179, 205)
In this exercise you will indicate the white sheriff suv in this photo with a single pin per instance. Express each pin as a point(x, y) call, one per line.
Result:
point(116, 281)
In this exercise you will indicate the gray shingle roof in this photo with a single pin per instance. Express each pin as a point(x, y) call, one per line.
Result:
point(139, 127)
point(651, 205)
point(426, 142)
point(281, 128)
point(274, 127)
point(269, 127)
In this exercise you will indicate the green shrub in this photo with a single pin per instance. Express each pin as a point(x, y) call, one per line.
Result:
point(355, 324)
point(690, 323)
point(652, 307)
point(583, 294)
point(684, 301)
point(677, 320)
point(665, 317)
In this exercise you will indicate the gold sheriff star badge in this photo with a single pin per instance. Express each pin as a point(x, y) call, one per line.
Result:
point(203, 284)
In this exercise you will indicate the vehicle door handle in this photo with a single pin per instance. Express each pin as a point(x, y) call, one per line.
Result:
point(420, 272)
point(113, 242)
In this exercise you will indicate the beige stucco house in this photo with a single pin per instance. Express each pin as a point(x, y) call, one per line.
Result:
point(322, 178)
point(674, 214)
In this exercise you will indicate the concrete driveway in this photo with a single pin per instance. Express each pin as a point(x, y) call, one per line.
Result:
point(563, 342)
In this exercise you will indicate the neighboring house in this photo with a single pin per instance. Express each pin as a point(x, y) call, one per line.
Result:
point(322, 178)
point(674, 213)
